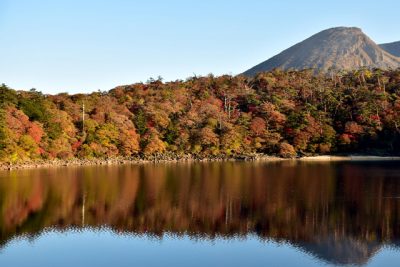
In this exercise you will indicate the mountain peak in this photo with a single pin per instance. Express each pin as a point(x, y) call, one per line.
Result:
point(344, 28)
point(340, 48)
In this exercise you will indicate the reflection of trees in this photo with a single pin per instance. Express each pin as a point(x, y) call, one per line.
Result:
point(300, 203)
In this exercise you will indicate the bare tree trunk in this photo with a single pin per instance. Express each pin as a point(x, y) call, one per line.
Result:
point(229, 108)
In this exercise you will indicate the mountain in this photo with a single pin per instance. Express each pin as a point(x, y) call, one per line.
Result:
point(392, 48)
point(339, 48)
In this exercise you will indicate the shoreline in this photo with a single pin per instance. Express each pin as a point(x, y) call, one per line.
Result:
point(186, 158)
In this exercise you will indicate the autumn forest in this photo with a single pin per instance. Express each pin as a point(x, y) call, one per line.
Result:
point(280, 113)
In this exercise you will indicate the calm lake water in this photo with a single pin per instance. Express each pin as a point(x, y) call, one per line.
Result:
point(202, 214)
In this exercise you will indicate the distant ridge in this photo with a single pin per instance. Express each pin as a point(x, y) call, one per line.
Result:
point(341, 48)
point(392, 48)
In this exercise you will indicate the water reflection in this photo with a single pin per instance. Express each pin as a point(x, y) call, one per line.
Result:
point(341, 213)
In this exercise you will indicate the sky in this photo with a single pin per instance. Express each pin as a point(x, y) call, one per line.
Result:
point(88, 45)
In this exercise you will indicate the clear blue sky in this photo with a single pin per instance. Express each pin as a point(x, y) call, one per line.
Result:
point(86, 45)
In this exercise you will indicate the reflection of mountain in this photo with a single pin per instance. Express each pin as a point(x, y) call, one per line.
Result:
point(341, 213)
point(341, 251)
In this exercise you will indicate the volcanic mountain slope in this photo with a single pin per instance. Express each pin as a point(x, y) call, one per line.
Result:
point(392, 48)
point(339, 48)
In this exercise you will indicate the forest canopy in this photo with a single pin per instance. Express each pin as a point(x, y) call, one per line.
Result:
point(284, 113)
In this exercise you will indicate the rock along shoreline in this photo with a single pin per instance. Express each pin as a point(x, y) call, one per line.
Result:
point(163, 158)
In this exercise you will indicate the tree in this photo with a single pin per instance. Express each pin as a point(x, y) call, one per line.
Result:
point(287, 150)
point(258, 126)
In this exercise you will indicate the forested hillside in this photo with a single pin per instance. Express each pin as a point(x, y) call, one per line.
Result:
point(279, 113)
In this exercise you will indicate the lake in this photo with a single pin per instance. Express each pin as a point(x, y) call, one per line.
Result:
point(202, 214)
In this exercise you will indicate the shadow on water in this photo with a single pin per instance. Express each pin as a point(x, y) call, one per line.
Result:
point(341, 213)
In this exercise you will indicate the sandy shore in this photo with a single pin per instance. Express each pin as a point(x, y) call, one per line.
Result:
point(349, 158)
point(184, 158)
